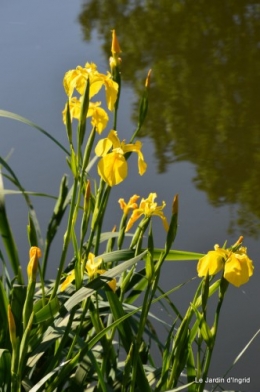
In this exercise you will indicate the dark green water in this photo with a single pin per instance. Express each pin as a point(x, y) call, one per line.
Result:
point(204, 102)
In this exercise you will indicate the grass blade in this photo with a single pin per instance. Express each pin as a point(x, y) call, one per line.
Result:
point(7, 237)
point(178, 255)
point(13, 116)
point(45, 378)
point(32, 213)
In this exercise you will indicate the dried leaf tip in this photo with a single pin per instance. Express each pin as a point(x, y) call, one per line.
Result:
point(87, 195)
point(175, 205)
point(148, 79)
point(11, 325)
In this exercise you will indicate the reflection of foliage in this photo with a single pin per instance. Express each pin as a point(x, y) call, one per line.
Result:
point(204, 98)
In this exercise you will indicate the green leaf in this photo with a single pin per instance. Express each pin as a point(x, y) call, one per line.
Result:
point(212, 290)
point(83, 114)
point(182, 388)
point(88, 346)
point(135, 285)
point(68, 123)
point(4, 330)
point(172, 231)
point(57, 215)
point(74, 163)
point(126, 335)
point(203, 326)
point(13, 116)
point(178, 255)
point(53, 333)
point(4, 304)
point(7, 236)
point(45, 378)
point(31, 231)
point(166, 359)
point(108, 235)
point(17, 183)
point(5, 370)
point(18, 295)
point(14, 192)
point(85, 292)
point(191, 369)
point(124, 328)
point(49, 311)
point(117, 255)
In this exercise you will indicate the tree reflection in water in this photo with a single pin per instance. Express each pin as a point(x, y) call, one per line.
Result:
point(204, 98)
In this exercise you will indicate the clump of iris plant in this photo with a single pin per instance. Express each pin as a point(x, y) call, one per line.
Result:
point(92, 326)
point(237, 267)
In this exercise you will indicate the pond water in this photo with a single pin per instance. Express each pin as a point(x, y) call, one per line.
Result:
point(201, 138)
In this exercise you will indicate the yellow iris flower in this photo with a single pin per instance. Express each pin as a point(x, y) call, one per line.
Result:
point(112, 167)
point(92, 265)
point(99, 117)
point(76, 80)
point(115, 48)
point(92, 268)
point(34, 254)
point(115, 60)
point(212, 262)
point(148, 207)
point(131, 205)
point(237, 266)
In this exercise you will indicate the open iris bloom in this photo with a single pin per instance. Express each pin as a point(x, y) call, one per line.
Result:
point(148, 208)
point(131, 205)
point(99, 117)
point(112, 167)
point(92, 269)
point(238, 267)
point(77, 78)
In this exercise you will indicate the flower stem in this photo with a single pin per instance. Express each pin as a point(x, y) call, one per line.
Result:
point(66, 241)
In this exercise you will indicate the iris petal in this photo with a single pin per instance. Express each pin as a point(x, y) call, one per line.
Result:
point(238, 269)
point(112, 168)
point(148, 208)
point(211, 263)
